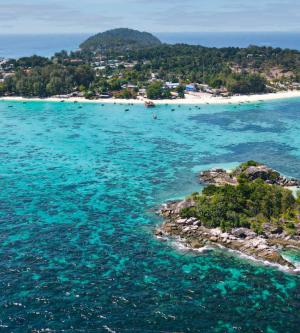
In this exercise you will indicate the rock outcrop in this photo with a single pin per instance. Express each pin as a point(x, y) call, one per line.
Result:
point(218, 177)
point(266, 246)
point(221, 177)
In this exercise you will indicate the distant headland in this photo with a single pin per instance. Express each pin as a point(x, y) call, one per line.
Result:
point(120, 40)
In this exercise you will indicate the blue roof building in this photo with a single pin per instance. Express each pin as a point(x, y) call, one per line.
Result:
point(190, 87)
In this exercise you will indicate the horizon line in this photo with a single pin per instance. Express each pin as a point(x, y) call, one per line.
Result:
point(156, 32)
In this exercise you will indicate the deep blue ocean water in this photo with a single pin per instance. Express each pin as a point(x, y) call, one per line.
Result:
point(290, 40)
point(79, 190)
point(15, 46)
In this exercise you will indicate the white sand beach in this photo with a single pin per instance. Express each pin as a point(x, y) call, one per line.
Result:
point(200, 98)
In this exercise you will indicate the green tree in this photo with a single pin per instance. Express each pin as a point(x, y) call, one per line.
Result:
point(84, 75)
point(2, 89)
point(39, 89)
point(249, 204)
point(126, 94)
point(155, 90)
point(180, 90)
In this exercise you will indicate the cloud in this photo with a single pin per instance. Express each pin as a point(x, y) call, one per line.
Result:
point(268, 16)
point(154, 15)
point(16, 11)
point(54, 13)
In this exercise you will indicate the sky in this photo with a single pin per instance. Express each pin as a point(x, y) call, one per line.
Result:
point(85, 16)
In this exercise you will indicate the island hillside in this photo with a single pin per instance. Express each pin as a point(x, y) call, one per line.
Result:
point(250, 210)
point(129, 64)
point(121, 39)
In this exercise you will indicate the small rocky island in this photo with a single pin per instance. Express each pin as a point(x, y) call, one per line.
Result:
point(250, 210)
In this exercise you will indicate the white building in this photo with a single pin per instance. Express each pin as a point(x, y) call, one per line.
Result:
point(171, 85)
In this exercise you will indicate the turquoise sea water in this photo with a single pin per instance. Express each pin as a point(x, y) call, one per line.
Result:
point(79, 190)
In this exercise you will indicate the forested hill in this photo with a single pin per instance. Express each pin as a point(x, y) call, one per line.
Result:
point(120, 40)
point(126, 63)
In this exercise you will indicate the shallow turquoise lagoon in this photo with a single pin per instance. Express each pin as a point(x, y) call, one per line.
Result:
point(79, 190)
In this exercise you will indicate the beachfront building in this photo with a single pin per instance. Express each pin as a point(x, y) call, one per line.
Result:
point(170, 85)
point(142, 92)
point(190, 88)
point(295, 85)
point(204, 87)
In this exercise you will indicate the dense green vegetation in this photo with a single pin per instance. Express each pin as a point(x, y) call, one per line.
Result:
point(249, 204)
point(235, 68)
point(120, 40)
point(2, 89)
point(30, 62)
point(111, 61)
point(156, 90)
point(245, 84)
point(49, 80)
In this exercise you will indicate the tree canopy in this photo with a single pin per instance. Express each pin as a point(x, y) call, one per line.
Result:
point(156, 90)
point(49, 80)
point(120, 40)
point(129, 57)
point(249, 204)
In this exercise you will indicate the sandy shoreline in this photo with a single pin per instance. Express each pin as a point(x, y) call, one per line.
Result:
point(190, 99)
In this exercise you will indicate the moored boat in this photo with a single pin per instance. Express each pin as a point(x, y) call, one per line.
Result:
point(149, 104)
